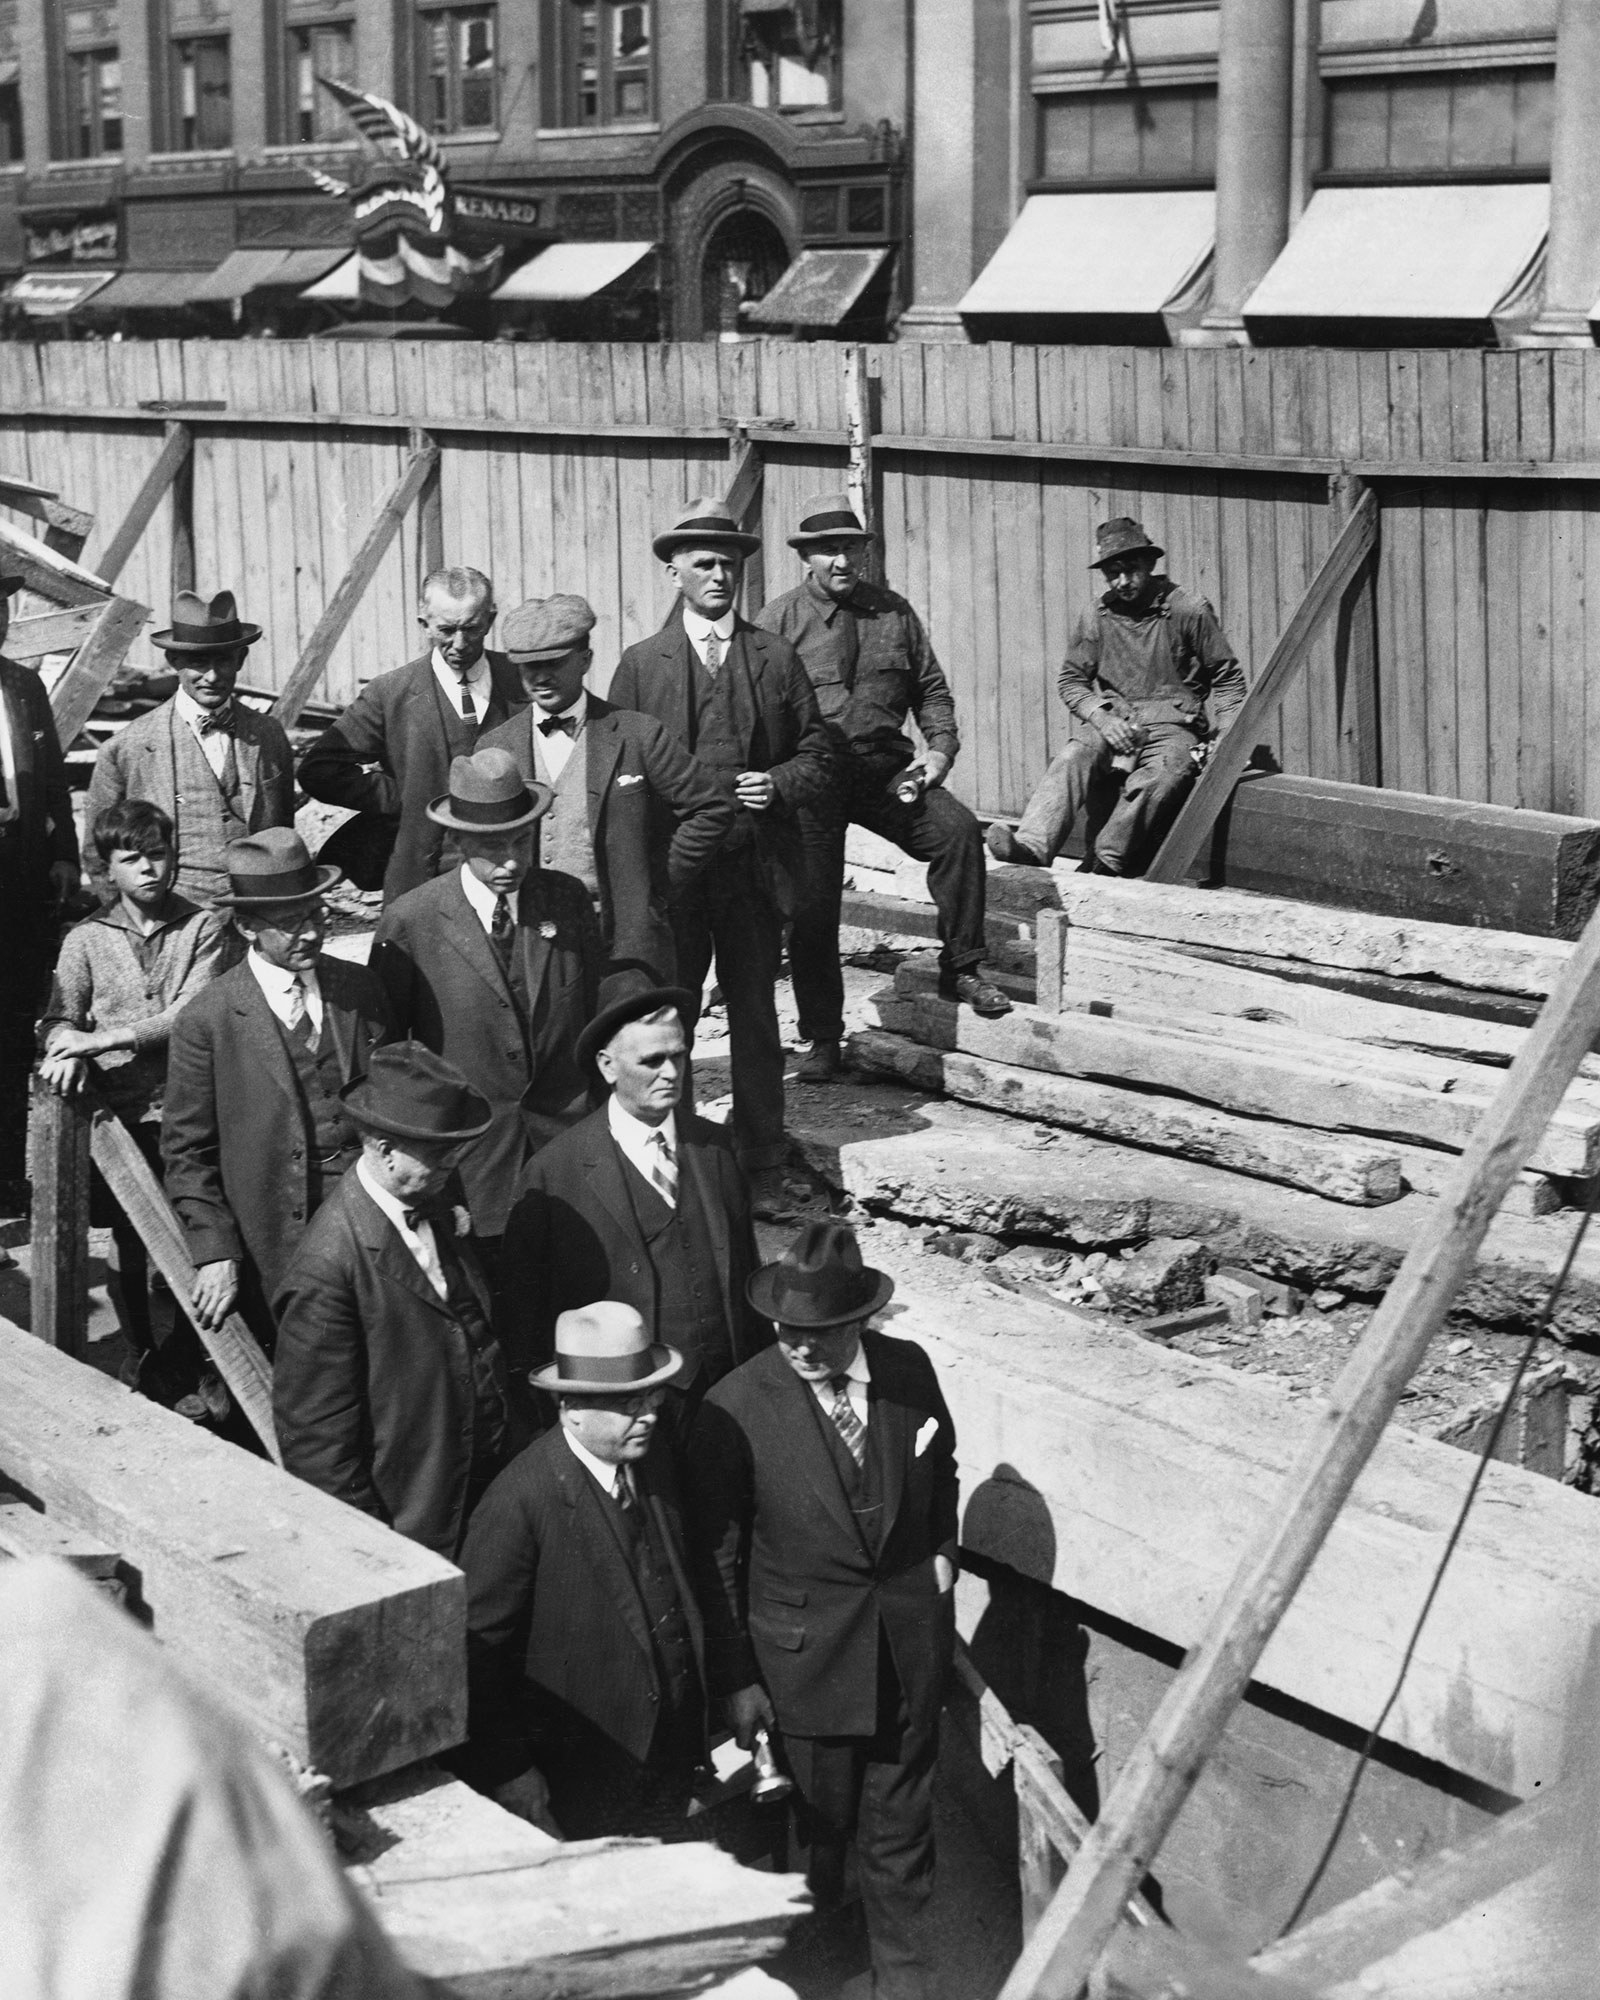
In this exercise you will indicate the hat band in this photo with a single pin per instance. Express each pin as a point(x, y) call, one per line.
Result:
point(792, 1293)
point(277, 888)
point(711, 524)
point(825, 524)
point(492, 812)
point(230, 634)
point(618, 1368)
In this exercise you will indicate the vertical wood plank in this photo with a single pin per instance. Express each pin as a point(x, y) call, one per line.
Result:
point(58, 1148)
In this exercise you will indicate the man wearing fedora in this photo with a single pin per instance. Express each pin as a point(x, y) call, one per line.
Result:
point(822, 1490)
point(737, 698)
point(1146, 664)
point(391, 750)
point(632, 815)
point(871, 665)
point(388, 1390)
point(640, 1202)
point(584, 1646)
point(217, 769)
point(496, 967)
point(254, 1131)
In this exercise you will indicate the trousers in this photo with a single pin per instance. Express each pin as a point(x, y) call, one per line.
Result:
point(1128, 815)
point(936, 828)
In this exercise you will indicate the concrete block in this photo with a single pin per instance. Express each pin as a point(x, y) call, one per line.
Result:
point(1244, 1303)
point(1167, 1274)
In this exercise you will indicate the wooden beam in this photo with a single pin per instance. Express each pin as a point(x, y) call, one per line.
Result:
point(47, 573)
point(1355, 658)
point(66, 528)
point(1233, 749)
point(58, 1166)
point(1036, 1773)
point(1153, 1784)
point(95, 665)
point(51, 632)
point(232, 1346)
point(174, 454)
point(430, 509)
point(744, 503)
point(421, 466)
point(342, 1642)
point(26, 1532)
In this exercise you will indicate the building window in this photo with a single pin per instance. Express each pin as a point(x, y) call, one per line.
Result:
point(458, 83)
point(94, 103)
point(1463, 122)
point(1167, 136)
point(325, 49)
point(791, 57)
point(10, 112)
point(604, 71)
point(202, 95)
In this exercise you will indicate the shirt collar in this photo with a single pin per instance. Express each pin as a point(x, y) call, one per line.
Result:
point(273, 979)
point(606, 1474)
point(480, 895)
point(578, 712)
point(477, 673)
point(826, 604)
point(116, 916)
point(700, 628)
point(392, 1210)
point(191, 711)
point(860, 1369)
point(633, 1133)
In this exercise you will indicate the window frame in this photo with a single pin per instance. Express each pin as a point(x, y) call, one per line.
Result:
point(85, 120)
point(612, 68)
point(177, 141)
point(452, 18)
point(761, 47)
point(289, 101)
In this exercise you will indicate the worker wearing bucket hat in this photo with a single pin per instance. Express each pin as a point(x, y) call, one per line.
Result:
point(585, 1647)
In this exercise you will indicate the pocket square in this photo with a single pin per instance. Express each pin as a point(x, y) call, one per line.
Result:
point(631, 778)
point(925, 1436)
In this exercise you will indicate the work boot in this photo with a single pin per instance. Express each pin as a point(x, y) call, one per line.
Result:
point(1004, 845)
point(770, 1199)
point(971, 989)
point(822, 1065)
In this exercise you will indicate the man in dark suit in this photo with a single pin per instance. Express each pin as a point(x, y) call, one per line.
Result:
point(634, 817)
point(639, 1202)
point(739, 699)
point(822, 1487)
point(496, 967)
point(391, 750)
point(584, 1647)
point(254, 1132)
point(388, 1390)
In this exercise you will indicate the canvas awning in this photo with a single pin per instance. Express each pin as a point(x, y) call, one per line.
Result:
point(244, 271)
point(564, 273)
point(1406, 253)
point(1096, 256)
point(155, 291)
point(342, 283)
point(818, 289)
point(50, 294)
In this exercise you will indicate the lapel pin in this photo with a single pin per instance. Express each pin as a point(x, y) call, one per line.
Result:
point(547, 929)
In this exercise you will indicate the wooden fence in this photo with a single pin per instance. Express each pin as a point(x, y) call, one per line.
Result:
point(1460, 670)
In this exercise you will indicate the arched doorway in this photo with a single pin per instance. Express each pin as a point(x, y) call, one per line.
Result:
point(744, 257)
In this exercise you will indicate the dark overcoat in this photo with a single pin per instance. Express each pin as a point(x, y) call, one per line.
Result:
point(43, 831)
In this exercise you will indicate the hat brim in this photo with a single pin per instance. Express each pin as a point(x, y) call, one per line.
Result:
point(534, 659)
point(667, 545)
point(1139, 549)
point(804, 542)
point(556, 1384)
point(542, 795)
point(646, 1001)
point(759, 1294)
point(326, 877)
point(392, 1128)
point(248, 635)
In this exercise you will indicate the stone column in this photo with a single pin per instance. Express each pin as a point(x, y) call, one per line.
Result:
point(248, 57)
point(1572, 273)
point(377, 56)
point(139, 136)
point(1255, 122)
point(943, 147)
point(34, 40)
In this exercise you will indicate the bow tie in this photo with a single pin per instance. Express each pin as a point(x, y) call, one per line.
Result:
point(567, 724)
point(434, 1211)
point(213, 719)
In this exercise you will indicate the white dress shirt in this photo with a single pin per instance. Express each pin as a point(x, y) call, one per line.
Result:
point(279, 987)
point(638, 1140)
point(483, 898)
point(608, 1475)
point(214, 742)
point(859, 1374)
point(477, 678)
point(418, 1241)
point(700, 629)
point(556, 746)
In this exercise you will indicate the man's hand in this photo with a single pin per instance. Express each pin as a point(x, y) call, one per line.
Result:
point(935, 768)
point(63, 1073)
point(65, 1041)
point(749, 1710)
point(944, 1574)
point(1118, 731)
point(64, 879)
point(755, 789)
point(216, 1286)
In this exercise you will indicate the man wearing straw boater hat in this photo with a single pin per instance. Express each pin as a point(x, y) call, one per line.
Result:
point(388, 1390)
point(738, 700)
point(1149, 679)
point(584, 1645)
point(871, 664)
point(822, 1490)
point(217, 769)
point(496, 966)
point(254, 1130)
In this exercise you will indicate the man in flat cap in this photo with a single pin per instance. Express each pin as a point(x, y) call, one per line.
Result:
point(388, 1390)
point(632, 815)
point(738, 699)
point(1146, 664)
point(641, 1202)
point(584, 1648)
point(496, 967)
point(391, 750)
point(217, 769)
point(254, 1129)
point(871, 665)
point(821, 1481)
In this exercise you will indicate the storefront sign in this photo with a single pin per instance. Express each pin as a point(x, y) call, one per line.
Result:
point(87, 238)
point(512, 216)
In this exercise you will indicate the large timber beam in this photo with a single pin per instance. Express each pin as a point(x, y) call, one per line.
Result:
point(158, 481)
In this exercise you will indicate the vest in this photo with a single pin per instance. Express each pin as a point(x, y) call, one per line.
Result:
point(863, 1484)
point(460, 736)
point(331, 1139)
point(689, 1306)
point(670, 1643)
point(209, 814)
point(565, 842)
point(715, 743)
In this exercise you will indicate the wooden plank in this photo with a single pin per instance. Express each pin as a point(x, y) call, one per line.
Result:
point(232, 1346)
point(174, 454)
point(1232, 751)
point(94, 666)
point(46, 573)
point(51, 632)
point(341, 1641)
point(25, 1532)
point(1037, 1773)
point(58, 1167)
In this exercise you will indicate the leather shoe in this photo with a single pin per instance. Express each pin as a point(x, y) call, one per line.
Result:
point(822, 1065)
point(770, 1199)
point(972, 990)
point(1004, 845)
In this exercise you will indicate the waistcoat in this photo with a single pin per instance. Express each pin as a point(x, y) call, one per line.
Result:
point(863, 1485)
point(689, 1308)
point(208, 815)
point(565, 842)
point(663, 1608)
point(331, 1136)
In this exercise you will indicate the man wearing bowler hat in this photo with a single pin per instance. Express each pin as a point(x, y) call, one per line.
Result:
point(641, 1202)
point(388, 1390)
point(1149, 679)
point(822, 1492)
point(584, 1646)
point(217, 769)
point(496, 967)
point(738, 699)
point(254, 1129)
point(632, 815)
point(871, 665)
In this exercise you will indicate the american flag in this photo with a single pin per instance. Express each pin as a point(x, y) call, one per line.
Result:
point(385, 124)
point(1114, 33)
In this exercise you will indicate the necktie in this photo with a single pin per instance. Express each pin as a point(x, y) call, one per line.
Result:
point(559, 725)
point(626, 1498)
point(213, 719)
point(301, 1025)
point(500, 932)
point(713, 654)
point(663, 1169)
point(845, 1421)
point(469, 712)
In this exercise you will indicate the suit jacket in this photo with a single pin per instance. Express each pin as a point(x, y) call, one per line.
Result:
point(387, 754)
point(372, 1381)
point(790, 1592)
point(557, 1643)
point(43, 831)
point(445, 987)
point(140, 762)
point(572, 1235)
point(233, 1130)
point(656, 817)
point(777, 719)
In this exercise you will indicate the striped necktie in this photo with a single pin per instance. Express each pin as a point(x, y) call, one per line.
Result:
point(469, 708)
point(713, 653)
point(500, 932)
point(845, 1421)
point(301, 1025)
point(663, 1169)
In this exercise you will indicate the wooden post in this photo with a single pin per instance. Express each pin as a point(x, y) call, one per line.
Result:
point(745, 492)
point(1233, 750)
point(1355, 657)
point(430, 512)
point(860, 395)
point(1157, 1778)
point(1039, 1866)
point(58, 1149)
point(46, 572)
point(173, 455)
point(94, 666)
point(66, 528)
point(182, 565)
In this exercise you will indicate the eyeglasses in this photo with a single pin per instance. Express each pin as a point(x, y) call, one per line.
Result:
point(645, 1404)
